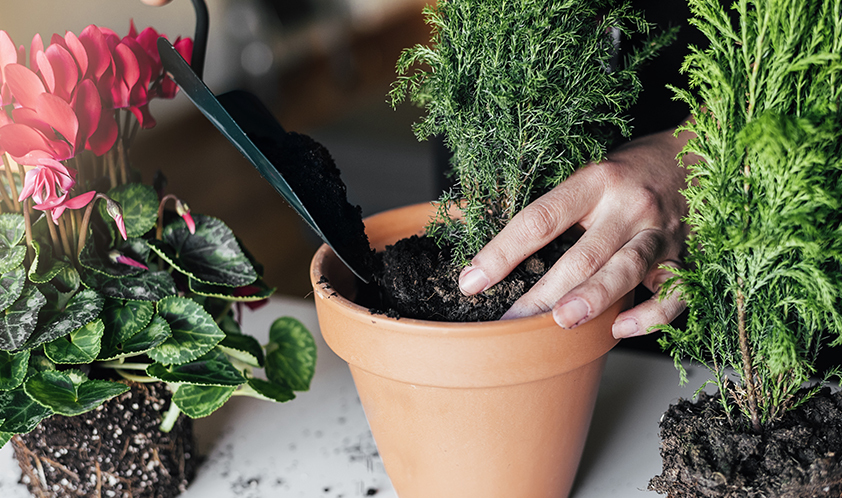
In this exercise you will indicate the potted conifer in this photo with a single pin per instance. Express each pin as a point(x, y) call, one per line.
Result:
point(118, 314)
point(765, 286)
point(523, 93)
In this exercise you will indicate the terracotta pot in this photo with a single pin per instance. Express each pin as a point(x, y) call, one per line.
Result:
point(465, 410)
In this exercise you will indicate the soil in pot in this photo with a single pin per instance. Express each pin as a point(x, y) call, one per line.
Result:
point(797, 456)
point(416, 280)
point(116, 450)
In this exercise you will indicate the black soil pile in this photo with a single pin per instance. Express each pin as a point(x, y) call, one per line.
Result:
point(417, 280)
point(116, 450)
point(796, 457)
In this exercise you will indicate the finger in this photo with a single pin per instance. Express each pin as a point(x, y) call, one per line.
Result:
point(618, 276)
point(582, 261)
point(641, 319)
point(156, 3)
point(531, 229)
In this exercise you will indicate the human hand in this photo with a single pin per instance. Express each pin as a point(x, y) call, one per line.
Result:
point(156, 3)
point(631, 208)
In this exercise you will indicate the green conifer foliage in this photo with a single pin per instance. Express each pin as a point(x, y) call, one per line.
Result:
point(765, 270)
point(524, 92)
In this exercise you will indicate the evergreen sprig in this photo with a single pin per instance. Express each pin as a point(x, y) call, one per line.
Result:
point(524, 92)
point(764, 280)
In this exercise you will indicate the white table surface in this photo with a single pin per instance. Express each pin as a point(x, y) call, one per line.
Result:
point(319, 444)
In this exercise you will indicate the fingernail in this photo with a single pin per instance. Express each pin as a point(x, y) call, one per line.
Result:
point(571, 313)
point(625, 328)
point(472, 281)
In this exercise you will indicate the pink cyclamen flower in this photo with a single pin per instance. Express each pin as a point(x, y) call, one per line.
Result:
point(49, 185)
point(117, 257)
point(183, 210)
point(115, 210)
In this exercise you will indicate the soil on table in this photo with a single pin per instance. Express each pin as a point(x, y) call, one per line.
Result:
point(415, 279)
point(797, 456)
point(116, 450)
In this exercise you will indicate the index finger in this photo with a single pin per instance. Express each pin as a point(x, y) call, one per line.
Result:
point(531, 229)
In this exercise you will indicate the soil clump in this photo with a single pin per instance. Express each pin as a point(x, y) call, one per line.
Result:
point(797, 456)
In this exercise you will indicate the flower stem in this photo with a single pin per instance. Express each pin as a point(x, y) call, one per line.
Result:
point(159, 231)
point(86, 221)
point(27, 223)
point(6, 199)
point(9, 163)
point(112, 171)
point(65, 241)
point(170, 417)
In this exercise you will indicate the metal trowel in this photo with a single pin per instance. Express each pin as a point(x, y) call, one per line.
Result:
point(298, 167)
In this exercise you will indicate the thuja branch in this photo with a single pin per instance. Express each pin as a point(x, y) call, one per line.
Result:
point(745, 351)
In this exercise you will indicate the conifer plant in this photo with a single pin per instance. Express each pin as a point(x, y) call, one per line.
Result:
point(523, 92)
point(764, 276)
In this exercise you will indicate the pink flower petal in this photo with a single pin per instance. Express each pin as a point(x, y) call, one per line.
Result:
point(43, 66)
point(8, 50)
point(19, 140)
point(77, 49)
point(65, 70)
point(144, 117)
point(105, 135)
point(96, 48)
point(88, 108)
point(128, 68)
point(80, 200)
point(24, 84)
point(56, 111)
point(37, 46)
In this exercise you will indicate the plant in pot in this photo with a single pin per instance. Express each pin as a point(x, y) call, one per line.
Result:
point(764, 287)
point(119, 315)
point(460, 403)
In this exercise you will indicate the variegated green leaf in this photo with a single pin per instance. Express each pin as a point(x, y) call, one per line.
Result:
point(201, 401)
point(12, 229)
point(212, 255)
point(290, 354)
point(70, 393)
point(19, 412)
point(96, 258)
point(270, 391)
point(140, 207)
point(67, 279)
point(146, 286)
point(11, 286)
point(13, 367)
point(44, 267)
point(83, 308)
point(80, 346)
point(194, 331)
point(244, 348)
point(211, 369)
point(18, 322)
point(147, 339)
point(257, 291)
point(124, 318)
point(5, 437)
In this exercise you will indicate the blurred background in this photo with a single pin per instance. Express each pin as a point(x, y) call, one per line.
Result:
point(323, 66)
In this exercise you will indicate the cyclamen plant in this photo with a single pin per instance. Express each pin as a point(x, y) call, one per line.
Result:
point(523, 92)
point(764, 283)
point(94, 291)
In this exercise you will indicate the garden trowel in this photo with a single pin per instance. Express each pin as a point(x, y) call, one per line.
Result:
point(299, 168)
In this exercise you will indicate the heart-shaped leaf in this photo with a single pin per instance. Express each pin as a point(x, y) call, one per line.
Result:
point(67, 279)
point(256, 291)
point(212, 255)
point(211, 369)
point(18, 322)
point(146, 286)
point(194, 332)
point(83, 308)
point(290, 354)
point(11, 286)
point(70, 393)
point(124, 318)
point(19, 412)
point(201, 401)
point(80, 346)
point(44, 267)
point(12, 230)
point(140, 207)
point(13, 367)
point(149, 338)
point(5, 437)
point(244, 348)
point(96, 259)
point(270, 391)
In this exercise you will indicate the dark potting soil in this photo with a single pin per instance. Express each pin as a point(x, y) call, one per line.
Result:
point(416, 280)
point(116, 450)
point(797, 456)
